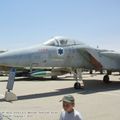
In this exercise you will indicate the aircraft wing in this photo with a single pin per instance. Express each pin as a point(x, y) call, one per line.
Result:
point(109, 60)
point(113, 55)
point(91, 57)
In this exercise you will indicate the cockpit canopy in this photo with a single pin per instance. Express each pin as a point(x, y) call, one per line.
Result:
point(61, 41)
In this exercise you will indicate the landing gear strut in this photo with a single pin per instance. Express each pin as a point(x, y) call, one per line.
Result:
point(78, 77)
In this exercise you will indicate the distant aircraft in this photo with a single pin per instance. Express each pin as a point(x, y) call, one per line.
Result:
point(64, 53)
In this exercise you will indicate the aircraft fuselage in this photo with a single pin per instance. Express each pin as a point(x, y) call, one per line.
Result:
point(43, 56)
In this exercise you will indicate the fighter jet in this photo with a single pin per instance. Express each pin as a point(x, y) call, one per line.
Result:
point(64, 53)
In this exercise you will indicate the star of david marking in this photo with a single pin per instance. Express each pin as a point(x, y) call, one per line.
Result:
point(60, 51)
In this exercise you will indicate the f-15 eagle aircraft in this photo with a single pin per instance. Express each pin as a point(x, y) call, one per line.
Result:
point(65, 53)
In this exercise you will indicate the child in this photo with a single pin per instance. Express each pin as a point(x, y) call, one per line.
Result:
point(69, 113)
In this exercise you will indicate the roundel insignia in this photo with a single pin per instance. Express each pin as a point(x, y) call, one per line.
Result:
point(60, 51)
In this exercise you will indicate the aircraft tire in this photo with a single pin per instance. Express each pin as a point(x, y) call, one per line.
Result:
point(77, 85)
point(106, 79)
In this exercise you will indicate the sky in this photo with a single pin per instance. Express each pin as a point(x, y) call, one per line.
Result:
point(25, 23)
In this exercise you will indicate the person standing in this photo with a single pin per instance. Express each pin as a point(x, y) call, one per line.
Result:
point(69, 112)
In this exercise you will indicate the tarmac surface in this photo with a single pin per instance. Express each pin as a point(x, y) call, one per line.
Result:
point(38, 99)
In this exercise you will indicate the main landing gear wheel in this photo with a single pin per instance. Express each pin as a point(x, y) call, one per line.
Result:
point(106, 79)
point(77, 85)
